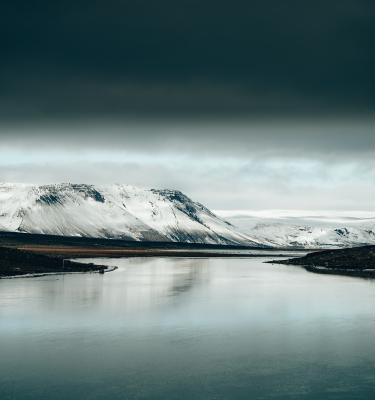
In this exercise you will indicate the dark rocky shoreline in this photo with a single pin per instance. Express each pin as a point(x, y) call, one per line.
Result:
point(24, 254)
point(14, 262)
point(357, 262)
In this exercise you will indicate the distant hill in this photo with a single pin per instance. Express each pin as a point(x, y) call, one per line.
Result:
point(305, 229)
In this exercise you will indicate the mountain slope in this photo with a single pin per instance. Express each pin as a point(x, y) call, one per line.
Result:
point(305, 229)
point(112, 211)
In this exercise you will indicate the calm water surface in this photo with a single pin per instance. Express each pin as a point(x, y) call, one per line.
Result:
point(163, 328)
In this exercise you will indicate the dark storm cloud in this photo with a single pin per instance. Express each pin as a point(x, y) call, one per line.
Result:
point(108, 58)
point(242, 104)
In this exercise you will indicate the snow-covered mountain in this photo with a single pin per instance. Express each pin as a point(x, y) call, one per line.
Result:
point(307, 229)
point(128, 212)
point(112, 211)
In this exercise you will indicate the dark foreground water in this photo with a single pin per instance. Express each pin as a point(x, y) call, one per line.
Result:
point(188, 329)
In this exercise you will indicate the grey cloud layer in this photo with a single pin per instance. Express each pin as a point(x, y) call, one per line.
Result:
point(233, 184)
point(316, 139)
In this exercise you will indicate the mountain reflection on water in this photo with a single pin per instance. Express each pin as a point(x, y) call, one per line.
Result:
point(179, 328)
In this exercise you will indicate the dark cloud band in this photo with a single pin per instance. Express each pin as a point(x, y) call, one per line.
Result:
point(84, 58)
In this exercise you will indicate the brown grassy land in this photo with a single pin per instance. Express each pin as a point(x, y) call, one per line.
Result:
point(116, 252)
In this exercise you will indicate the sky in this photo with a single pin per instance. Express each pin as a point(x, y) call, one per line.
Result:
point(241, 104)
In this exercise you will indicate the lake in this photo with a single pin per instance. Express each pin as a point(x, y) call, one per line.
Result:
point(179, 328)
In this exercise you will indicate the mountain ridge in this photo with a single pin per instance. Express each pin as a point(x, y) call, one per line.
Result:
point(112, 211)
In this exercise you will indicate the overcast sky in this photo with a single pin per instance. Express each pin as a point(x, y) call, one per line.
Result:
point(241, 104)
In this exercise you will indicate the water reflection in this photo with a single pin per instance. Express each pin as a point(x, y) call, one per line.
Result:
point(188, 329)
